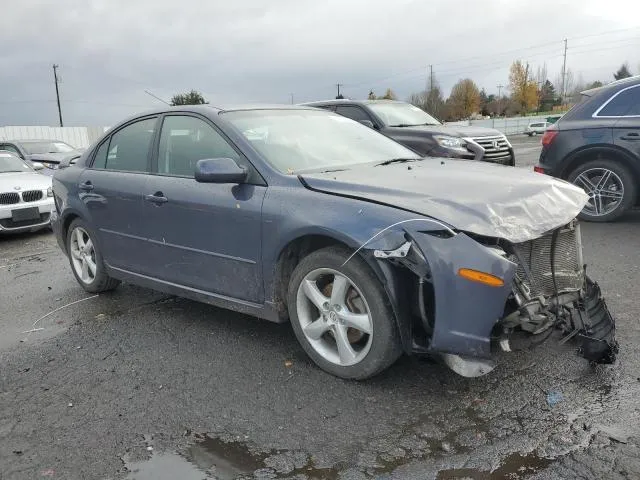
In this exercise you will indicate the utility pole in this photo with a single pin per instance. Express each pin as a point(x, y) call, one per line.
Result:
point(429, 97)
point(338, 85)
point(500, 98)
point(55, 80)
point(291, 98)
point(564, 72)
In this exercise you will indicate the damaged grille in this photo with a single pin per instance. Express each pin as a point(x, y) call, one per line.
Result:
point(534, 263)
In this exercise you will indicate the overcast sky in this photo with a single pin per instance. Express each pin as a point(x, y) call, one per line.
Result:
point(111, 51)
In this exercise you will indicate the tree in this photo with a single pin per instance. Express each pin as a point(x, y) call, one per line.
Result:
point(191, 98)
point(464, 100)
point(523, 89)
point(389, 95)
point(431, 101)
point(623, 72)
point(372, 96)
point(547, 96)
point(596, 84)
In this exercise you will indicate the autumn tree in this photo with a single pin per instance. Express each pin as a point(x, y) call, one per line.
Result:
point(190, 98)
point(464, 99)
point(523, 89)
point(389, 95)
point(623, 72)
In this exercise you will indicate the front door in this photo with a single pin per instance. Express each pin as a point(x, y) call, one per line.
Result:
point(205, 236)
point(111, 189)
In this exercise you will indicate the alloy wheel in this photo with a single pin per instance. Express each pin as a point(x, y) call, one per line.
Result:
point(334, 317)
point(605, 190)
point(83, 255)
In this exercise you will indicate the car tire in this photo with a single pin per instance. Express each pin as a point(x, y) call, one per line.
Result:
point(86, 260)
point(360, 294)
point(619, 176)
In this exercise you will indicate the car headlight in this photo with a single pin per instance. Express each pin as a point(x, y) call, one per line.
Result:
point(454, 143)
point(49, 192)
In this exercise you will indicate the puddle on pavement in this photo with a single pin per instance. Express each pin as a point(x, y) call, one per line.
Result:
point(213, 458)
point(210, 458)
point(514, 467)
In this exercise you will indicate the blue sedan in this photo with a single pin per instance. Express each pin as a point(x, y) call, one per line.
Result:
point(368, 249)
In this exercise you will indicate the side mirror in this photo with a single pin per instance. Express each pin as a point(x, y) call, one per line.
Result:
point(367, 123)
point(37, 166)
point(220, 170)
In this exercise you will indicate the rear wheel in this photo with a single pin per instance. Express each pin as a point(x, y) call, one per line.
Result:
point(610, 186)
point(86, 259)
point(341, 315)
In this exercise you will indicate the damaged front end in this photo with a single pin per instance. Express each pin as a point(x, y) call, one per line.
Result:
point(543, 288)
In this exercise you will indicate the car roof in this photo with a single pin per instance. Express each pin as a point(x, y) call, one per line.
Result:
point(337, 101)
point(623, 82)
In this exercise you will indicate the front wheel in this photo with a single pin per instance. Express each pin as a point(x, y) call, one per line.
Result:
point(341, 315)
point(86, 259)
point(610, 186)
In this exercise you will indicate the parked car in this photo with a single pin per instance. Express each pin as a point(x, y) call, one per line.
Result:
point(596, 145)
point(536, 128)
point(26, 197)
point(48, 153)
point(369, 249)
point(416, 129)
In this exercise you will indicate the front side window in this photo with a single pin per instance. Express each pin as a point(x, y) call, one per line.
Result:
point(184, 140)
point(295, 140)
point(625, 103)
point(127, 149)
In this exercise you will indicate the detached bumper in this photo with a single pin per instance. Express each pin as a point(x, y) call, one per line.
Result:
point(597, 337)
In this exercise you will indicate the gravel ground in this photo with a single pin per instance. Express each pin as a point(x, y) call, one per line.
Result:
point(136, 384)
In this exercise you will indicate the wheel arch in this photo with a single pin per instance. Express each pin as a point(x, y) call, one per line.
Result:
point(296, 249)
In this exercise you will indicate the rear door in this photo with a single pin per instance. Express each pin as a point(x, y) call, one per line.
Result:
point(205, 236)
point(111, 189)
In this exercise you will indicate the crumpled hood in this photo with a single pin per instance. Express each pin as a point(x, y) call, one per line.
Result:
point(486, 199)
point(49, 157)
point(26, 181)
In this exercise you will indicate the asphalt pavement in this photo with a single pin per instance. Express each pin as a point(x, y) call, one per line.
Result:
point(137, 384)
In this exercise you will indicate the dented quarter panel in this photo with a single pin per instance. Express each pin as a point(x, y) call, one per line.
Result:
point(466, 311)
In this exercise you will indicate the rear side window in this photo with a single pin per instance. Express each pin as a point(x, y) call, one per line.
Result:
point(128, 148)
point(625, 103)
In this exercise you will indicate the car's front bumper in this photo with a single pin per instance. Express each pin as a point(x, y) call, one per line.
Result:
point(8, 224)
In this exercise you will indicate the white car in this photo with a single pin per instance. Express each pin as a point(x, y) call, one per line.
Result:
point(536, 128)
point(26, 199)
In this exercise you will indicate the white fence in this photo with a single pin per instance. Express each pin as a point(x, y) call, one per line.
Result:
point(80, 137)
point(508, 126)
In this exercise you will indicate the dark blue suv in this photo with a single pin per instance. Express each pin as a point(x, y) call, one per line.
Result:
point(596, 146)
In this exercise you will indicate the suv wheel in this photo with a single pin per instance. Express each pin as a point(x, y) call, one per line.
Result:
point(86, 260)
point(341, 315)
point(610, 186)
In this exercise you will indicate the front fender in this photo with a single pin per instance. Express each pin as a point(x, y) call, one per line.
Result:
point(465, 311)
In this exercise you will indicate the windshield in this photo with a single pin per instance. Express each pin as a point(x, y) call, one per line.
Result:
point(47, 147)
point(402, 114)
point(11, 163)
point(294, 140)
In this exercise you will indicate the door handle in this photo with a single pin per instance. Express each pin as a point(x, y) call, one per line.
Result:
point(86, 186)
point(158, 198)
point(631, 136)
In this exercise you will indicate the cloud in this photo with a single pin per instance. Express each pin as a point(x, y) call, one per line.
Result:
point(110, 51)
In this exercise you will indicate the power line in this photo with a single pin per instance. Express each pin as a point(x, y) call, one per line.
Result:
point(156, 97)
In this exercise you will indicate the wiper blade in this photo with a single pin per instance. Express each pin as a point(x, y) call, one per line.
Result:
point(404, 125)
point(396, 160)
